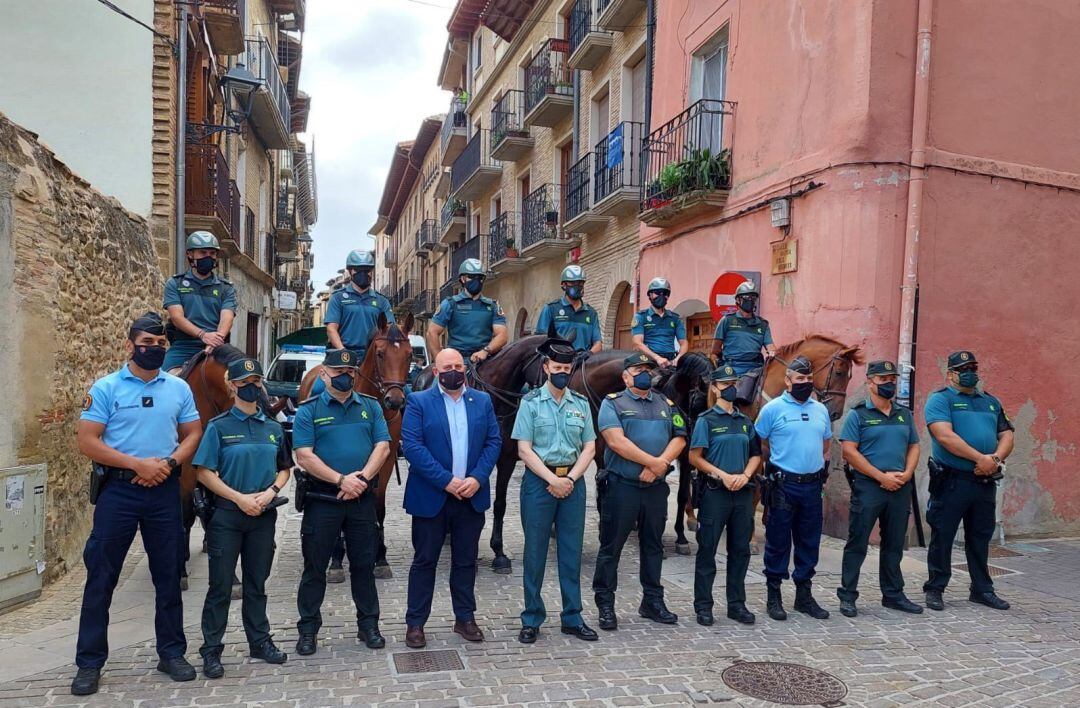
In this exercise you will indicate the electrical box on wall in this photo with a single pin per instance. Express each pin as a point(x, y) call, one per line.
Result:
point(22, 534)
point(781, 213)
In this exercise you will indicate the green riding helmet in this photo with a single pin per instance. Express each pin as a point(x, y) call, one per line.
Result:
point(202, 239)
point(572, 274)
point(747, 288)
point(471, 266)
point(659, 284)
point(360, 259)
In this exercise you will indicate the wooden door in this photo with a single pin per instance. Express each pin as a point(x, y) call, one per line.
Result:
point(623, 318)
point(700, 329)
point(251, 341)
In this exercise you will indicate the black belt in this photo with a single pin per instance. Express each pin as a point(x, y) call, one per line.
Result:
point(967, 474)
point(559, 470)
point(809, 478)
point(122, 473)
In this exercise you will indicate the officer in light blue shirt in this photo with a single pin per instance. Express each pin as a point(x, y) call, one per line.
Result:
point(797, 431)
point(139, 424)
point(656, 330)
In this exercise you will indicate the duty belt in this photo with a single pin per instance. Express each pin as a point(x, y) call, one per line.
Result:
point(122, 473)
point(809, 478)
point(559, 470)
point(965, 474)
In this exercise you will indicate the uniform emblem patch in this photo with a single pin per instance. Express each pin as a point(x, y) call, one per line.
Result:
point(562, 312)
point(363, 414)
point(87, 402)
point(677, 420)
point(964, 356)
point(374, 303)
point(345, 357)
point(344, 296)
point(249, 365)
point(215, 292)
point(273, 438)
point(147, 401)
point(186, 282)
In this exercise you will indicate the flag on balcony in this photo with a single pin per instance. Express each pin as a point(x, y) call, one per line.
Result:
point(614, 147)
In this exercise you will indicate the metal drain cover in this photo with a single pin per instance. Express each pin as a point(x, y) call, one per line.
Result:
point(787, 684)
point(994, 570)
point(1003, 552)
point(422, 662)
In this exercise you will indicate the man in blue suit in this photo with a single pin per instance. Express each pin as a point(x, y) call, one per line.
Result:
point(451, 440)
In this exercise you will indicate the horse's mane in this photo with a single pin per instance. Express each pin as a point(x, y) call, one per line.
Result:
point(394, 333)
point(697, 363)
point(226, 353)
point(852, 352)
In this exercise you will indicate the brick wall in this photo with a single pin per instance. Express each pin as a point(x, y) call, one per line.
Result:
point(163, 206)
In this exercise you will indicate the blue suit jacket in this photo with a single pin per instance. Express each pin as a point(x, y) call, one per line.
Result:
point(425, 440)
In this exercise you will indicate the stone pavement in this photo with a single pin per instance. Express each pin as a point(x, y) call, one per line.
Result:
point(967, 655)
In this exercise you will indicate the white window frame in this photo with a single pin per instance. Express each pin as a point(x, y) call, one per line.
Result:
point(718, 42)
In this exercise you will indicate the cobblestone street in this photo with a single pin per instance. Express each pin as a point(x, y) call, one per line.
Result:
point(966, 655)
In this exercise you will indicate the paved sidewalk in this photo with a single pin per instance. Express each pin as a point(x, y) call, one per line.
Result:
point(967, 655)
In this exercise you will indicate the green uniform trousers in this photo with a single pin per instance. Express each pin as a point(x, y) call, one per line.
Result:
point(627, 503)
point(961, 499)
point(871, 504)
point(539, 510)
point(233, 534)
point(722, 510)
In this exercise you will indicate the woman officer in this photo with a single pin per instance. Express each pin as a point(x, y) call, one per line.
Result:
point(244, 461)
point(726, 452)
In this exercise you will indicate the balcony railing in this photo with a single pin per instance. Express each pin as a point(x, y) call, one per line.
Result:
point(588, 45)
point(475, 170)
point(510, 138)
point(454, 127)
point(452, 221)
point(578, 192)
point(406, 295)
point(504, 248)
point(285, 218)
point(206, 186)
point(617, 173)
point(687, 166)
point(427, 237)
point(425, 303)
point(270, 104)
point(549, 88)
point(541, 221)
point(447, 289)
point(390, 255)
point(234, 210)
point(250, 237)
point(469, 249)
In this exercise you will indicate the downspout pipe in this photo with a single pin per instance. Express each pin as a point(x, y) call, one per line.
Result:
point(181, 138)
point(916, 180)
point(650, 63)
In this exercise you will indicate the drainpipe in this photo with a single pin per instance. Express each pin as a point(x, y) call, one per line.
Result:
point(577, 114)
point(919, 122)
point(650, 57)
point(181, 138)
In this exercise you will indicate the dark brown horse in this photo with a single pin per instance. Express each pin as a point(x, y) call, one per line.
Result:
point(382, 375)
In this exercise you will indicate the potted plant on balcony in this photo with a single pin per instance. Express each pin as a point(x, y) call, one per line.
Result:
point(511, 247)
point(457, 207)
point(551, 217)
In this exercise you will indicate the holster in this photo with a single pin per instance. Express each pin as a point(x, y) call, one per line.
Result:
point(204, 503)
point(98, 478)
point(303, 483)
point(602, 480)
point(772, 488)
point(938, 475)
point(697, 488)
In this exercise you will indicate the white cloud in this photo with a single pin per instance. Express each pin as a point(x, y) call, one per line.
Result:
point(371, 68)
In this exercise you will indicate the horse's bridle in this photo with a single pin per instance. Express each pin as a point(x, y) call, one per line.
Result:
point(827, 393)
point(382, 385)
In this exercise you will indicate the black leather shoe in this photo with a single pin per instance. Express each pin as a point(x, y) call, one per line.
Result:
point(705, 618)
point(848, 609)
point(268, 652)
point(608, 619)
point(740, 614)
point(211, 666)
point(372, 638)
point(306, 644)
point(582, 631)
point(898, 603)
point(86, 682)
point(528, 635)
point(177, 668)
point(934, 601)
point(805, 602)
point(989, 599)
point(658, 612)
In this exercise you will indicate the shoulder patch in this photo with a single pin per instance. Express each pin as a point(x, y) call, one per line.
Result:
point(219, 415)
point(87, 402)
point(531, 395)
point(309, 399)
point(613, 395)
point(364, 395)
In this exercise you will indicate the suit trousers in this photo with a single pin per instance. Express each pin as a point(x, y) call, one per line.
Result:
point(464, 524)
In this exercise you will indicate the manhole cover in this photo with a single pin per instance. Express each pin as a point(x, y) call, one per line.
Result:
point(995, 571)
point(787, 684)
point(422, 662)
point(1003, 552)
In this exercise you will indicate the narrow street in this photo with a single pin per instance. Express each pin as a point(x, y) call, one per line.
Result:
point(966, 655)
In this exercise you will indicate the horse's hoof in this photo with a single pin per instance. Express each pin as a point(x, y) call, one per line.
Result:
point(691, 524)
point(237, 591)
point(183, 583)
point(383, 572)
point(336, 575)
point(755, 549)
point(683, 549)
point(501, 565)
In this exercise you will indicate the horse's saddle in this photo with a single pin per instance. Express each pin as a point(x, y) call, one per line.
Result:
point(190, 364)
point(748, 386)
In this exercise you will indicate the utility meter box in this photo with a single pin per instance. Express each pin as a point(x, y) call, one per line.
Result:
point(22, 534)
point(780, 211)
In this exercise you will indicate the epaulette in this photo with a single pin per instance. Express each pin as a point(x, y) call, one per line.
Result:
point(613, 395)
point(943, 388)
point(219, 415)
point(179, 276)
point(575, 394)
point(669, 401)
point(531, 395)
point(487, 300)
point(557, 303)
point(364, 395)
point(310, 399)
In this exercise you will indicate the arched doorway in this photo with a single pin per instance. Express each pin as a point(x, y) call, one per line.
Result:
point(624, 315)
point(521, 325)
point(700, 326)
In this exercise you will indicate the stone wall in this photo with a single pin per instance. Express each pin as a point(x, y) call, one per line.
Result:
point(77, 269)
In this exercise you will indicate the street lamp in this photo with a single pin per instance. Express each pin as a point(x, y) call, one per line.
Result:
point(239, 85)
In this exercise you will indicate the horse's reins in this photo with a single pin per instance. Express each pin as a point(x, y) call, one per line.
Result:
point(511, 399)
point(381, 385)
point(824, 394)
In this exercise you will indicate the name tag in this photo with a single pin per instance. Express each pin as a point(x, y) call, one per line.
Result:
point(147, 401)
point(806, 416)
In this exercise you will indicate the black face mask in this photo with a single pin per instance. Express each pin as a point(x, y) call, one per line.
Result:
point(747, 305)
point(148, 357)
point(801, 391)
point(342, 382)
point(729, 394)
point(362, 278)
point(452, 380)
point(205, 265)
point(659, 301)
point(574, 292)
point(248, 392)
point(559, 380)
point(886, 390)
point(473, 286)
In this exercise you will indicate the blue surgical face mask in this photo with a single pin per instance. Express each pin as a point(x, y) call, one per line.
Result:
point(887, 390)
point(342, 382)
point(967, 379)
point(473, 286)
point(643, 380)
point(248, 392)
point(729, 394)
point(559, 380)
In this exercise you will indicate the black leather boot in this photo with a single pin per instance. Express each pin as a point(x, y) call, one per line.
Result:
point(775, 603)
point(805, 602)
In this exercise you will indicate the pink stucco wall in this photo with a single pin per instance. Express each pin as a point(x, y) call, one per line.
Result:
point(824, 92)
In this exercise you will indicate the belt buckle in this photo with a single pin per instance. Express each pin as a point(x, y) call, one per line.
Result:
point(562, 471)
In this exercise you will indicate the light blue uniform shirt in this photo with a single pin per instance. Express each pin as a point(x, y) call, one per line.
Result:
point(557, 430)
point(140, 417)
point(459, 431)
point(796, 433)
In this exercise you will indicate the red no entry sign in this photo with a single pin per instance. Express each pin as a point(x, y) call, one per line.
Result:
point(722, 296)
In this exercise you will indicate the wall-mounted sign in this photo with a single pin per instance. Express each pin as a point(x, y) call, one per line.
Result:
point(722, 295)
point(785, 256)
point(286, 300)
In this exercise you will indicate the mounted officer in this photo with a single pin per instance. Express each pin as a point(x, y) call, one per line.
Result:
point(657, 330)
point(741, 337)
point(475, 324)
point(573, 319)
point(353, 311)
point(201, 305)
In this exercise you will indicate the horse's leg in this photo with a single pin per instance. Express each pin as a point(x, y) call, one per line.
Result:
point(336, 573)
point(382, 566)
point(504, 471)
point(682, 546)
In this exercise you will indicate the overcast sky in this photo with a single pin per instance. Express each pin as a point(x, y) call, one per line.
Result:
point(371, 68)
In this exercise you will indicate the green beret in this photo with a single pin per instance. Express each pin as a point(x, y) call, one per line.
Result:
point(637, 359)
point(881, 367)
point(338, 358)
point(724, 373)
point(242, 368)
point(961, 358)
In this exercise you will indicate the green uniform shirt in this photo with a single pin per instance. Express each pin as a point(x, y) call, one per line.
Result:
point(557, 430)
point(469, 323)
point(584, 323)
point(977, 418)
point(729, 439)
point(245, 450)
point(650, 423)
point(662, 333)
point(342, 435)
point(743, 338)
point(202, 300)
point(882, 439)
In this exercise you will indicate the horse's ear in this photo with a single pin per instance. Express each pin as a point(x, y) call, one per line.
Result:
point(407, 325)
point(382, 322)
point(853, 354)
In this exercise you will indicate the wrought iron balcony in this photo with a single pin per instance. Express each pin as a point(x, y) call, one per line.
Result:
point(390, 255)
point(617, 173)
point(224, 25)
point(617, 15)
point(425, 303)
point(452, 221)
point(549, 88)
point(269, 103)
point(687, 165)
point(467, 250)
point(427, 237)
point(580, 217)
point(588, 44)
point(455, 129)
point(504, 249)
point(542, 235)
point(475, 171)
point(207, 196)
point(510, 139)
point(447, 289)
point(407, 294)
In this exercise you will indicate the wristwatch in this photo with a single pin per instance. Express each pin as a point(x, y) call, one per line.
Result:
point(172, 462)
point(489, 352)
point(276, 488)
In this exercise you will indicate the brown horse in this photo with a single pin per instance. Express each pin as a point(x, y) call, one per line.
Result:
point(383, 375)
